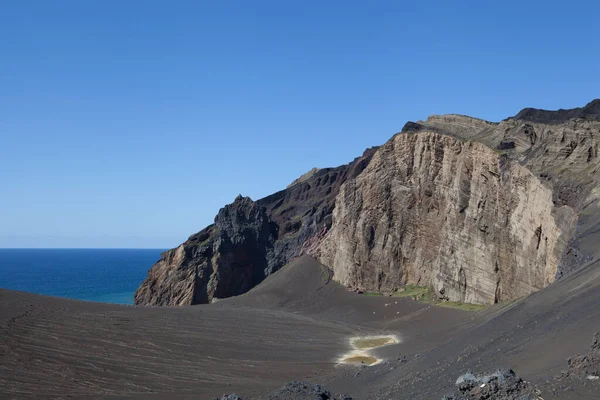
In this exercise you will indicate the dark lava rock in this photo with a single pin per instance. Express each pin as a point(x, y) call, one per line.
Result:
point(305, 391)
point(244, 242)
point(503, 384)
point(588, 364)
point(228, 397)
point(506, 145)
point(591, 111)
point(227, 258)
point(581, 376)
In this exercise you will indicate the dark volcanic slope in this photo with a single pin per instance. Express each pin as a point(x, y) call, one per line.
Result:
point(302, 212)
point(535, 336)
point(52, 347)
point(305, 287)
point(292, 326)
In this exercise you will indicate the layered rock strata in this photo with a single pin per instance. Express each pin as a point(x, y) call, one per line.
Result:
point(434, 211)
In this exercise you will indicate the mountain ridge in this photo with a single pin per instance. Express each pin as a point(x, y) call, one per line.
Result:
point(561, 154)
point(590, 111)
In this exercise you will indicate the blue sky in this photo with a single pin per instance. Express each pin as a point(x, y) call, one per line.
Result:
point(129, 123)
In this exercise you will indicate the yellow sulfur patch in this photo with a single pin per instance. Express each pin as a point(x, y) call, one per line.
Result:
point(360, 359)
point(372, 342)
point(360, 346)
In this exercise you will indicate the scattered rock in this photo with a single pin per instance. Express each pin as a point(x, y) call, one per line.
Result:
point(503, 384)
point(296, 390)
point(228, 397)
point(586, 365)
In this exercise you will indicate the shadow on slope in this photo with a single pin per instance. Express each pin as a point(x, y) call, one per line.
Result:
point(306, 287)
point(290, 288)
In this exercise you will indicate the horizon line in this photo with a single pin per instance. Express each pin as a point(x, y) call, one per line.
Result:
point(84, 248)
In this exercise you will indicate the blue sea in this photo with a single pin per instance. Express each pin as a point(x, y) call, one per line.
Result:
point(105, 275)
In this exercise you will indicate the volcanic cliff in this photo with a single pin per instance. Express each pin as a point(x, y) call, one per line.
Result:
point(482, 212)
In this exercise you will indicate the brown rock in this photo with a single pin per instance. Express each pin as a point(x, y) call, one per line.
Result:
point(434, 211)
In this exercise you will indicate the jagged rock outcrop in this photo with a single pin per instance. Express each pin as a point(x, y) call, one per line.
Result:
point(503, 384)
point(296, 390)
point(434, 211)
point(586, 366)
point(248, 241)
point(225, 259)
point(481, 211)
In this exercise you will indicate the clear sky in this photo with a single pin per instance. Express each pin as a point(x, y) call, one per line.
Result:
point(130, 123)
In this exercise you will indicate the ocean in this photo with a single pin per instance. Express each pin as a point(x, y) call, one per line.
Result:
point(105, 275)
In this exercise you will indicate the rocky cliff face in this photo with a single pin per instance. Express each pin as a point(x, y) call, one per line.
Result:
point(434, 211)
point(561, 152)
point(481, 211)
point(225, 259)
point(248, 241)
